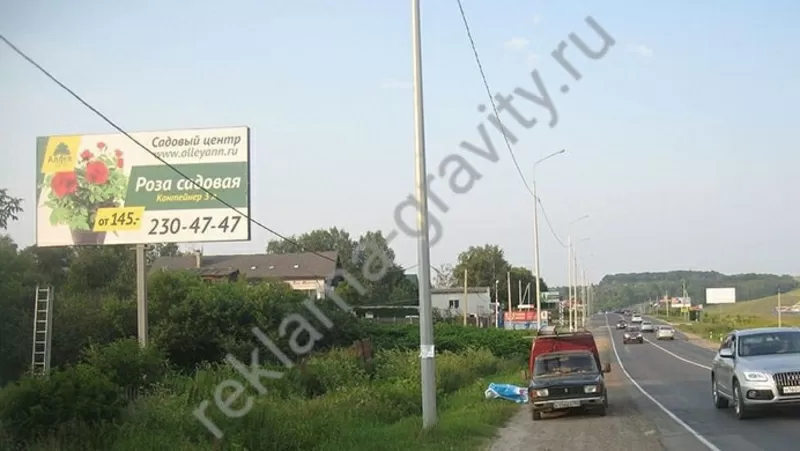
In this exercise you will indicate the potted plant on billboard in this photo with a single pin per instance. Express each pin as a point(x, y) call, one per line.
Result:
point(97, 181)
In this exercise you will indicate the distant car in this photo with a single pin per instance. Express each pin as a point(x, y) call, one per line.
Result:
point(633, 334)
point(647, 326)
point(636, 318)
point(621, 325)
point(665, 333)
point(757, 369)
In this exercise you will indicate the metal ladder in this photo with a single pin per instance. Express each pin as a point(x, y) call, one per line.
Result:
point(42, 331)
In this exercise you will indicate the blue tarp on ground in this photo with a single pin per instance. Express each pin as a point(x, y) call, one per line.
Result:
point(508, 392)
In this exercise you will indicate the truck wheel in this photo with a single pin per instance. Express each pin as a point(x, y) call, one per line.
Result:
point(601, 411)
point(536, 415)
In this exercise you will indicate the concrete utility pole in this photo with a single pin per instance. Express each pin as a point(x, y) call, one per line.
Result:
point(141, 294)
point(426, 343)
point(569, 277)
point(537, 268)
point(780, 319)
point(585, 297)
point(466, 295)
point(508, 282)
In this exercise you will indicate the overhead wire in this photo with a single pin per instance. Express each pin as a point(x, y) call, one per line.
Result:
point(497, 116)
point(114, 125)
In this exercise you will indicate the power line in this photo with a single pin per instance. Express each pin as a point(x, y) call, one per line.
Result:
point(502, 126)
point(550, 225)
point(489, 93)
point(105, 118)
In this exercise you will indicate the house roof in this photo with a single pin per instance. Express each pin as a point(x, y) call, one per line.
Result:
point(305, 265)
point(472, 290)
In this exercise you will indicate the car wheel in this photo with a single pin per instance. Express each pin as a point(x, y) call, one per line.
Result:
point(739, 409)
point(536, 415)
point(601, 411)
point(719, 401)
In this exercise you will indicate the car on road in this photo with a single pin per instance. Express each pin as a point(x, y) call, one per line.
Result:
point(757, 369)
point(636, 318)
point(665, 333)
point(621, 325)
point(647, 326)
point(566, 373)
point(633, 334)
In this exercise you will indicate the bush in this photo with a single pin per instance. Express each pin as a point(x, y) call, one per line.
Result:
point(81, 394)
point(507, 344)
point(128, 365)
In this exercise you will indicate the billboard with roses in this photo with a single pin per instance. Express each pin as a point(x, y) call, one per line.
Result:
point(158, 187)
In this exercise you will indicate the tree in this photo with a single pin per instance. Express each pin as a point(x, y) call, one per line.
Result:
point(519, 273)
point(487, 264)
point(444, 277)
point(162, 250)
point(10, 208)
point(319, 240)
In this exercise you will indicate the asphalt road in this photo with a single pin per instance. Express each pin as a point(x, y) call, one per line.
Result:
point(675, 375)
point(632, 423)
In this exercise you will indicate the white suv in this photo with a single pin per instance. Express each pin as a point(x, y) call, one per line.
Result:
point(636, 318)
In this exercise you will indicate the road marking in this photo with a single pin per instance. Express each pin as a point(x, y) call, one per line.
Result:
point(679, 357)
point(704, 348)
point(674, 417)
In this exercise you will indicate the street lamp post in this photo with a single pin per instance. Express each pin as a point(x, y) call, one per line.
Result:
point(536, 268)
point(571, 265)
point(580, 278)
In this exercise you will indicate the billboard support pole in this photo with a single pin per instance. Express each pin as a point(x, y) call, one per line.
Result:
point(141, 294)
point(779, 308)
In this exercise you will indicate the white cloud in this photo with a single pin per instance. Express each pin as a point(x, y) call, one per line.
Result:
point(532, 58)
point(393, 83)
point(641, 50)
point(537, 18)
point(516, 44)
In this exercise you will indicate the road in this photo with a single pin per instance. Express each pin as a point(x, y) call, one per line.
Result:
point(660, 399)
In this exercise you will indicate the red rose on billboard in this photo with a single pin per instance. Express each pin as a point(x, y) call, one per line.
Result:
point(96, 172)
point(64, 183)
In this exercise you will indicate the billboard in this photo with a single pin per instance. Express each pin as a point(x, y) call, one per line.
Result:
point(523, 319)
point(720, 295)
point(551, 297)
point(107, 189)
point(681, 303)
point(788, 309)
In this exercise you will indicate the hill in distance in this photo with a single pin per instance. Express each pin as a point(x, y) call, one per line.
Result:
point(764, 307)
point(622, 290)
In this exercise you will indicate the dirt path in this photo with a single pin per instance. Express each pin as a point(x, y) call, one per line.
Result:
point(624, 427)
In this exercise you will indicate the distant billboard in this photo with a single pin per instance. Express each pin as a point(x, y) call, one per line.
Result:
point(681, 303)
point(720, 295)
point(107, 189)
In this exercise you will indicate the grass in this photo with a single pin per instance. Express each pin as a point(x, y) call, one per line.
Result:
point(764, 307)
point(355, 410)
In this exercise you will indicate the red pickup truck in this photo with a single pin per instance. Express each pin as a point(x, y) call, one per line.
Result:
point(565, 373)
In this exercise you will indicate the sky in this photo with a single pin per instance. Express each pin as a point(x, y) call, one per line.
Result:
point(678, 140)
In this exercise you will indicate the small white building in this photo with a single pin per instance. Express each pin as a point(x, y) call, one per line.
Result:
point(451, 301)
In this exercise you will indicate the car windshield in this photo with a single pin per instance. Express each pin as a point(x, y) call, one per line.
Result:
point(666, 328)
point(554, 365)
point(769, 343)
point(633, 329)
point(647, 323)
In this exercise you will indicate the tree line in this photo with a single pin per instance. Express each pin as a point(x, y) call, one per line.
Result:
point(95, 294)
point(622, 290)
